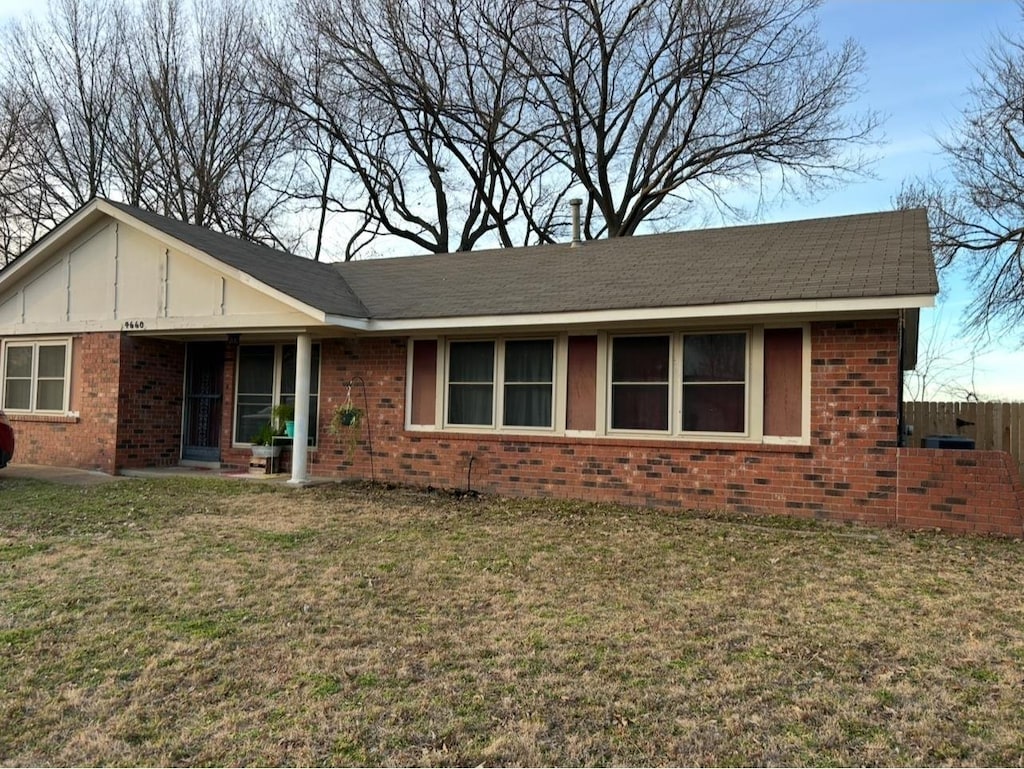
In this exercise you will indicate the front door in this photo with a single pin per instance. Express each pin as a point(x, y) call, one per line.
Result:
point(204, 384)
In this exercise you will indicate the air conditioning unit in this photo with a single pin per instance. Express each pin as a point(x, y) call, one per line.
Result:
point(946, 442)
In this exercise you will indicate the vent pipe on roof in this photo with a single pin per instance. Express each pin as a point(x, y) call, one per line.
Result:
point(575, 204)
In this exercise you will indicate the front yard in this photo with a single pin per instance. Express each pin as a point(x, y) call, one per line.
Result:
point(213, 622)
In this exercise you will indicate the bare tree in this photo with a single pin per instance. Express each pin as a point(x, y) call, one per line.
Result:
point(15, 177)
point(62, 71)
point(427, 116)
point(655, 104)
point(197, 142)
point(977, 216)
point(945, 369)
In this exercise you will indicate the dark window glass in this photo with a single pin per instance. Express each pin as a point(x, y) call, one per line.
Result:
point(714, 383)
point(471, 383)
point(256, 373)
point(288, 354)
point(640, 379)
point(255, 399)
point(529, 365)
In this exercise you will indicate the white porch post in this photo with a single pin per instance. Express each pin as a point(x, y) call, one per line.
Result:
point(300, 444)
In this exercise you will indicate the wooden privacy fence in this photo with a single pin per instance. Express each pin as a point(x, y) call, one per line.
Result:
point(998, 426)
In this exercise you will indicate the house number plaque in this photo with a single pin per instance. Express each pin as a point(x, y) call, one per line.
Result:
point(131, 325)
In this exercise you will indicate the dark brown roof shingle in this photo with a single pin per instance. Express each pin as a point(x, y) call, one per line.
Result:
point(864, 255)
point(867, 255)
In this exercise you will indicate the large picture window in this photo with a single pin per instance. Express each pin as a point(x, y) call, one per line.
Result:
point(36, 376)
point(266, 377)
point(640, 383)
point(714, 383)
point(523, 385)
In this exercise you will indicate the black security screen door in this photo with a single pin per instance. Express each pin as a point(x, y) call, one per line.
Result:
point(204, 382)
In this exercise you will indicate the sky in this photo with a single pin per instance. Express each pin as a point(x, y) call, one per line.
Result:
point(921, 58)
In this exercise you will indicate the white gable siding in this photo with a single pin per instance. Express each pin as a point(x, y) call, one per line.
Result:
point(116, 276)
point(92, 275)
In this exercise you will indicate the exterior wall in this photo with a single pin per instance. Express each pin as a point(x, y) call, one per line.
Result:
point(851, 471)
point(152, 373)
point(127, 393)
point(88, 440)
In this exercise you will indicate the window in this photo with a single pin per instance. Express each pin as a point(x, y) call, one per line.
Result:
point(266, 376)
point(36, 376)
point(523, 384)
point(714, 383)
point(746, 384)
point(529, 369)
point(471, 383)
point(640, 383)
point(288, 353)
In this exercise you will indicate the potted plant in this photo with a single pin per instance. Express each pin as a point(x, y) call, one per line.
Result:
point(346, 422)
point(284, 419)
point(263, 449)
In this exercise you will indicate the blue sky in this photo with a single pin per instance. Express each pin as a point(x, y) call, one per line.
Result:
point(921, 59)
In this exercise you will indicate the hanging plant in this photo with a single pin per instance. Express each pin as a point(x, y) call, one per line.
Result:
point(346, 422)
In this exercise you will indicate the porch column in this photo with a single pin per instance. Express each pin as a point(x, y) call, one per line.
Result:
point(300, 444)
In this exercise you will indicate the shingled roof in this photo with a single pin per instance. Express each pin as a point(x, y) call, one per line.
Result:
point(867, 255)
point(879, 255)
point(314, 283)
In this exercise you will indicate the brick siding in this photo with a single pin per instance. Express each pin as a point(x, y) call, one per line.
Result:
point(851, 471)
point(152, 374)
point(127, 392)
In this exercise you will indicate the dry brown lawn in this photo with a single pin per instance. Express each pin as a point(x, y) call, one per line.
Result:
point(212, 622)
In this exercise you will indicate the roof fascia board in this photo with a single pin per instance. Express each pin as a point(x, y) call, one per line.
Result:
point(802, 307)
point(160, 326)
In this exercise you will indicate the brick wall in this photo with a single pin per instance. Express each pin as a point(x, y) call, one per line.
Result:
point(960, 491)
point(88, 440)
point(851, 471)
point(151, 375)
point(127, 392)
point(848, 473)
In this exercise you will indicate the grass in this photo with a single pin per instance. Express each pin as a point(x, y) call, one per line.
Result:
point(205, 622)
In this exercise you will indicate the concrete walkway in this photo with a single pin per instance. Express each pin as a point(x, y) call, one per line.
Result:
point(72, 477)
point(66, 475)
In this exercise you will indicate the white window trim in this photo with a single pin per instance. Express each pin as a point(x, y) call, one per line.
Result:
point(35, 343)
point(314, 419)
point(754, 403)
point(558, 387)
